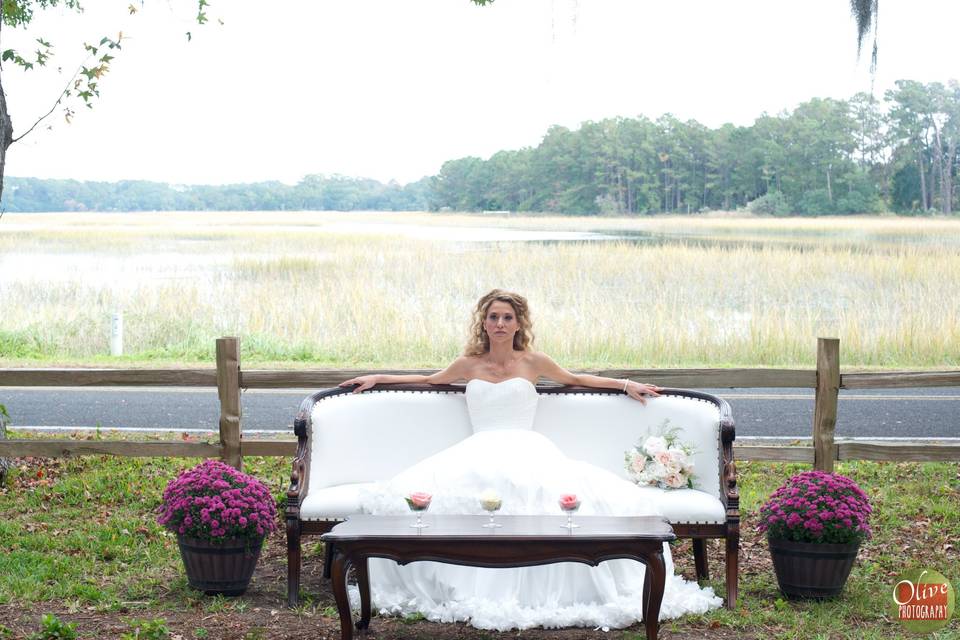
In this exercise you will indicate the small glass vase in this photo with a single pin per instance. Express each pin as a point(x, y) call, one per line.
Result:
point(418, 508)
point(569, 510)
point(419, 523)
point(491, 507)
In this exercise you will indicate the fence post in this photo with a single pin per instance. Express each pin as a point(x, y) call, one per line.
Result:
point(825, 403)
point(228, 388)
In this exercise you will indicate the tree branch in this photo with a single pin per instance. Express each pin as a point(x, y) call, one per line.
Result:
point(63, 94)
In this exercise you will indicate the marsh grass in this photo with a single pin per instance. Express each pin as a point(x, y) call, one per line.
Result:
point(79, 535)
point(361, 290)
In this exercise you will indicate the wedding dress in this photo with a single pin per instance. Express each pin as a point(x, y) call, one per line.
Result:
point(529, 473)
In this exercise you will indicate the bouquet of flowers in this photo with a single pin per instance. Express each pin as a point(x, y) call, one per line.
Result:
point(215, 502)
point(662, 460)
point(816, 506)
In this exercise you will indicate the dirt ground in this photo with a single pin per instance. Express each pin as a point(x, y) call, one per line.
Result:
point(262, 613)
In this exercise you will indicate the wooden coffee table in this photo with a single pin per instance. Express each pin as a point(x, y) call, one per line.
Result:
point(522, 541)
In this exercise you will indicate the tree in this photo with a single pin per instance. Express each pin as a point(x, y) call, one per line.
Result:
point(873, 138)
point(819, 144)
point(82, 88)
point(926, 119)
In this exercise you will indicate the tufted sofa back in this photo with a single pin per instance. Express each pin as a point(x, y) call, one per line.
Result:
point(377, 434)
point(599, 428)
point(374, 435)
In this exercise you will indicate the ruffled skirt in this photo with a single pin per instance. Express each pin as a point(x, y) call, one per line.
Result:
point(529, 473)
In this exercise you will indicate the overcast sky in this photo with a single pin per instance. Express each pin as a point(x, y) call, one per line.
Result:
point(390, 89)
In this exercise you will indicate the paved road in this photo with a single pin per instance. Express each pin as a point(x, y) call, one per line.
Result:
point(906, 413)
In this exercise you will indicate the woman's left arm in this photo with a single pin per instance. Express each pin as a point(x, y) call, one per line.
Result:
point(547, 368)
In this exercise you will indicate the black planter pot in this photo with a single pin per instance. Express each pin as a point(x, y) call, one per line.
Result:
point(812, 570)
point(219, 568)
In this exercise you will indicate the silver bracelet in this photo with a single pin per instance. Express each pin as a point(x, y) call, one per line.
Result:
point(626, 381)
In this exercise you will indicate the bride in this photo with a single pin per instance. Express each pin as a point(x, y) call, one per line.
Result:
point(529, 474)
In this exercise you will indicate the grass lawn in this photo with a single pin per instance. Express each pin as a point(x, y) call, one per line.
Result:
point(78, 540)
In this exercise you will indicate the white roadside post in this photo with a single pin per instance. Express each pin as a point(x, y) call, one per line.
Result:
point(116, 334)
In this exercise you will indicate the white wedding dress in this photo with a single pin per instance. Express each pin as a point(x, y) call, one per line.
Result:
point(529, 473)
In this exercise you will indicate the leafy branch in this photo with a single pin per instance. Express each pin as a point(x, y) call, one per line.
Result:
point(84, 81)
point(41, 55)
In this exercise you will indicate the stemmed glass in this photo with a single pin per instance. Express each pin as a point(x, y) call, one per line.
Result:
point(491, 503)
point(418, 503)
point(569, 503)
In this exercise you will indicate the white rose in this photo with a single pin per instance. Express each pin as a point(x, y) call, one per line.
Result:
point(656, 470)
point(679, 456)
point(489, 494)
point(490, 500)
point(654, 445)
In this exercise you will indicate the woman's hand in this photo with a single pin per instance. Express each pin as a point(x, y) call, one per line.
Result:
point(640, 391)
point(364, 382)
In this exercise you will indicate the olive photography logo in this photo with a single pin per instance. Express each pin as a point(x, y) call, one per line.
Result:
point(923, 600)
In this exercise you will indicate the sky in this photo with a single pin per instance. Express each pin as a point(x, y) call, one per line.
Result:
point(390, 90)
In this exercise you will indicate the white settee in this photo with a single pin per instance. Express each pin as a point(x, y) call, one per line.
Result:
point(347, 441)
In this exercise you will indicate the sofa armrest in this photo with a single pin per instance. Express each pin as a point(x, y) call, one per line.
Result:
point(298, 475)
point(729, 493)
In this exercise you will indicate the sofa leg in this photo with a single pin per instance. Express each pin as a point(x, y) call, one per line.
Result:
point(700, 559)
point(733, 565)
point(327, 559)
point(293, 562)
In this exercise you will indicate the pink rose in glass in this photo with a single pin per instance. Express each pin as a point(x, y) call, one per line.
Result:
point(419, 501)
point(569, 502)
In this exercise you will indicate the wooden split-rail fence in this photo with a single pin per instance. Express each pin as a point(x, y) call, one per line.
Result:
point(229, 379)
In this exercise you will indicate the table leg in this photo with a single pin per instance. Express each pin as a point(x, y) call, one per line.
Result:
point(645, 604)
point(338, 578)
point(657, 572)
point(363, 583)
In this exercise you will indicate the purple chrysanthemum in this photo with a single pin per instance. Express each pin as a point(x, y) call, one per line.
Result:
point(214, 501)
point(817, 506)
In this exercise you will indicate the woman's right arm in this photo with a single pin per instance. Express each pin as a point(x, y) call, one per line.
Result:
point(456, 371)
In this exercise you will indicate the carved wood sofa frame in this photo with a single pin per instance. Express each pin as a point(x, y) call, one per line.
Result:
point(699, 533)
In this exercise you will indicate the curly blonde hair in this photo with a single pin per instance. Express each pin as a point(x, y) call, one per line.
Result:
point(479, 342)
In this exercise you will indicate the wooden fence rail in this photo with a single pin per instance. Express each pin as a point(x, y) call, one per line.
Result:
point(230, 380)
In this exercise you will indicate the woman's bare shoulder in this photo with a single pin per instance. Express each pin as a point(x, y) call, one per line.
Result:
point(465, 364)
point(462, 368)
point(537, 357)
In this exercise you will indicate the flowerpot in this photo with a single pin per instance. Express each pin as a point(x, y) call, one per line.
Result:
point(224, 568)
point(811, 570)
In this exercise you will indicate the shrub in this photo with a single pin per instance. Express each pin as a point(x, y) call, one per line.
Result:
point(816, 202)
point(771, 203)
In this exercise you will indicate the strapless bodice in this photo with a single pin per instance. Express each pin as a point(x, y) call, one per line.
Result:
point(511, 404)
